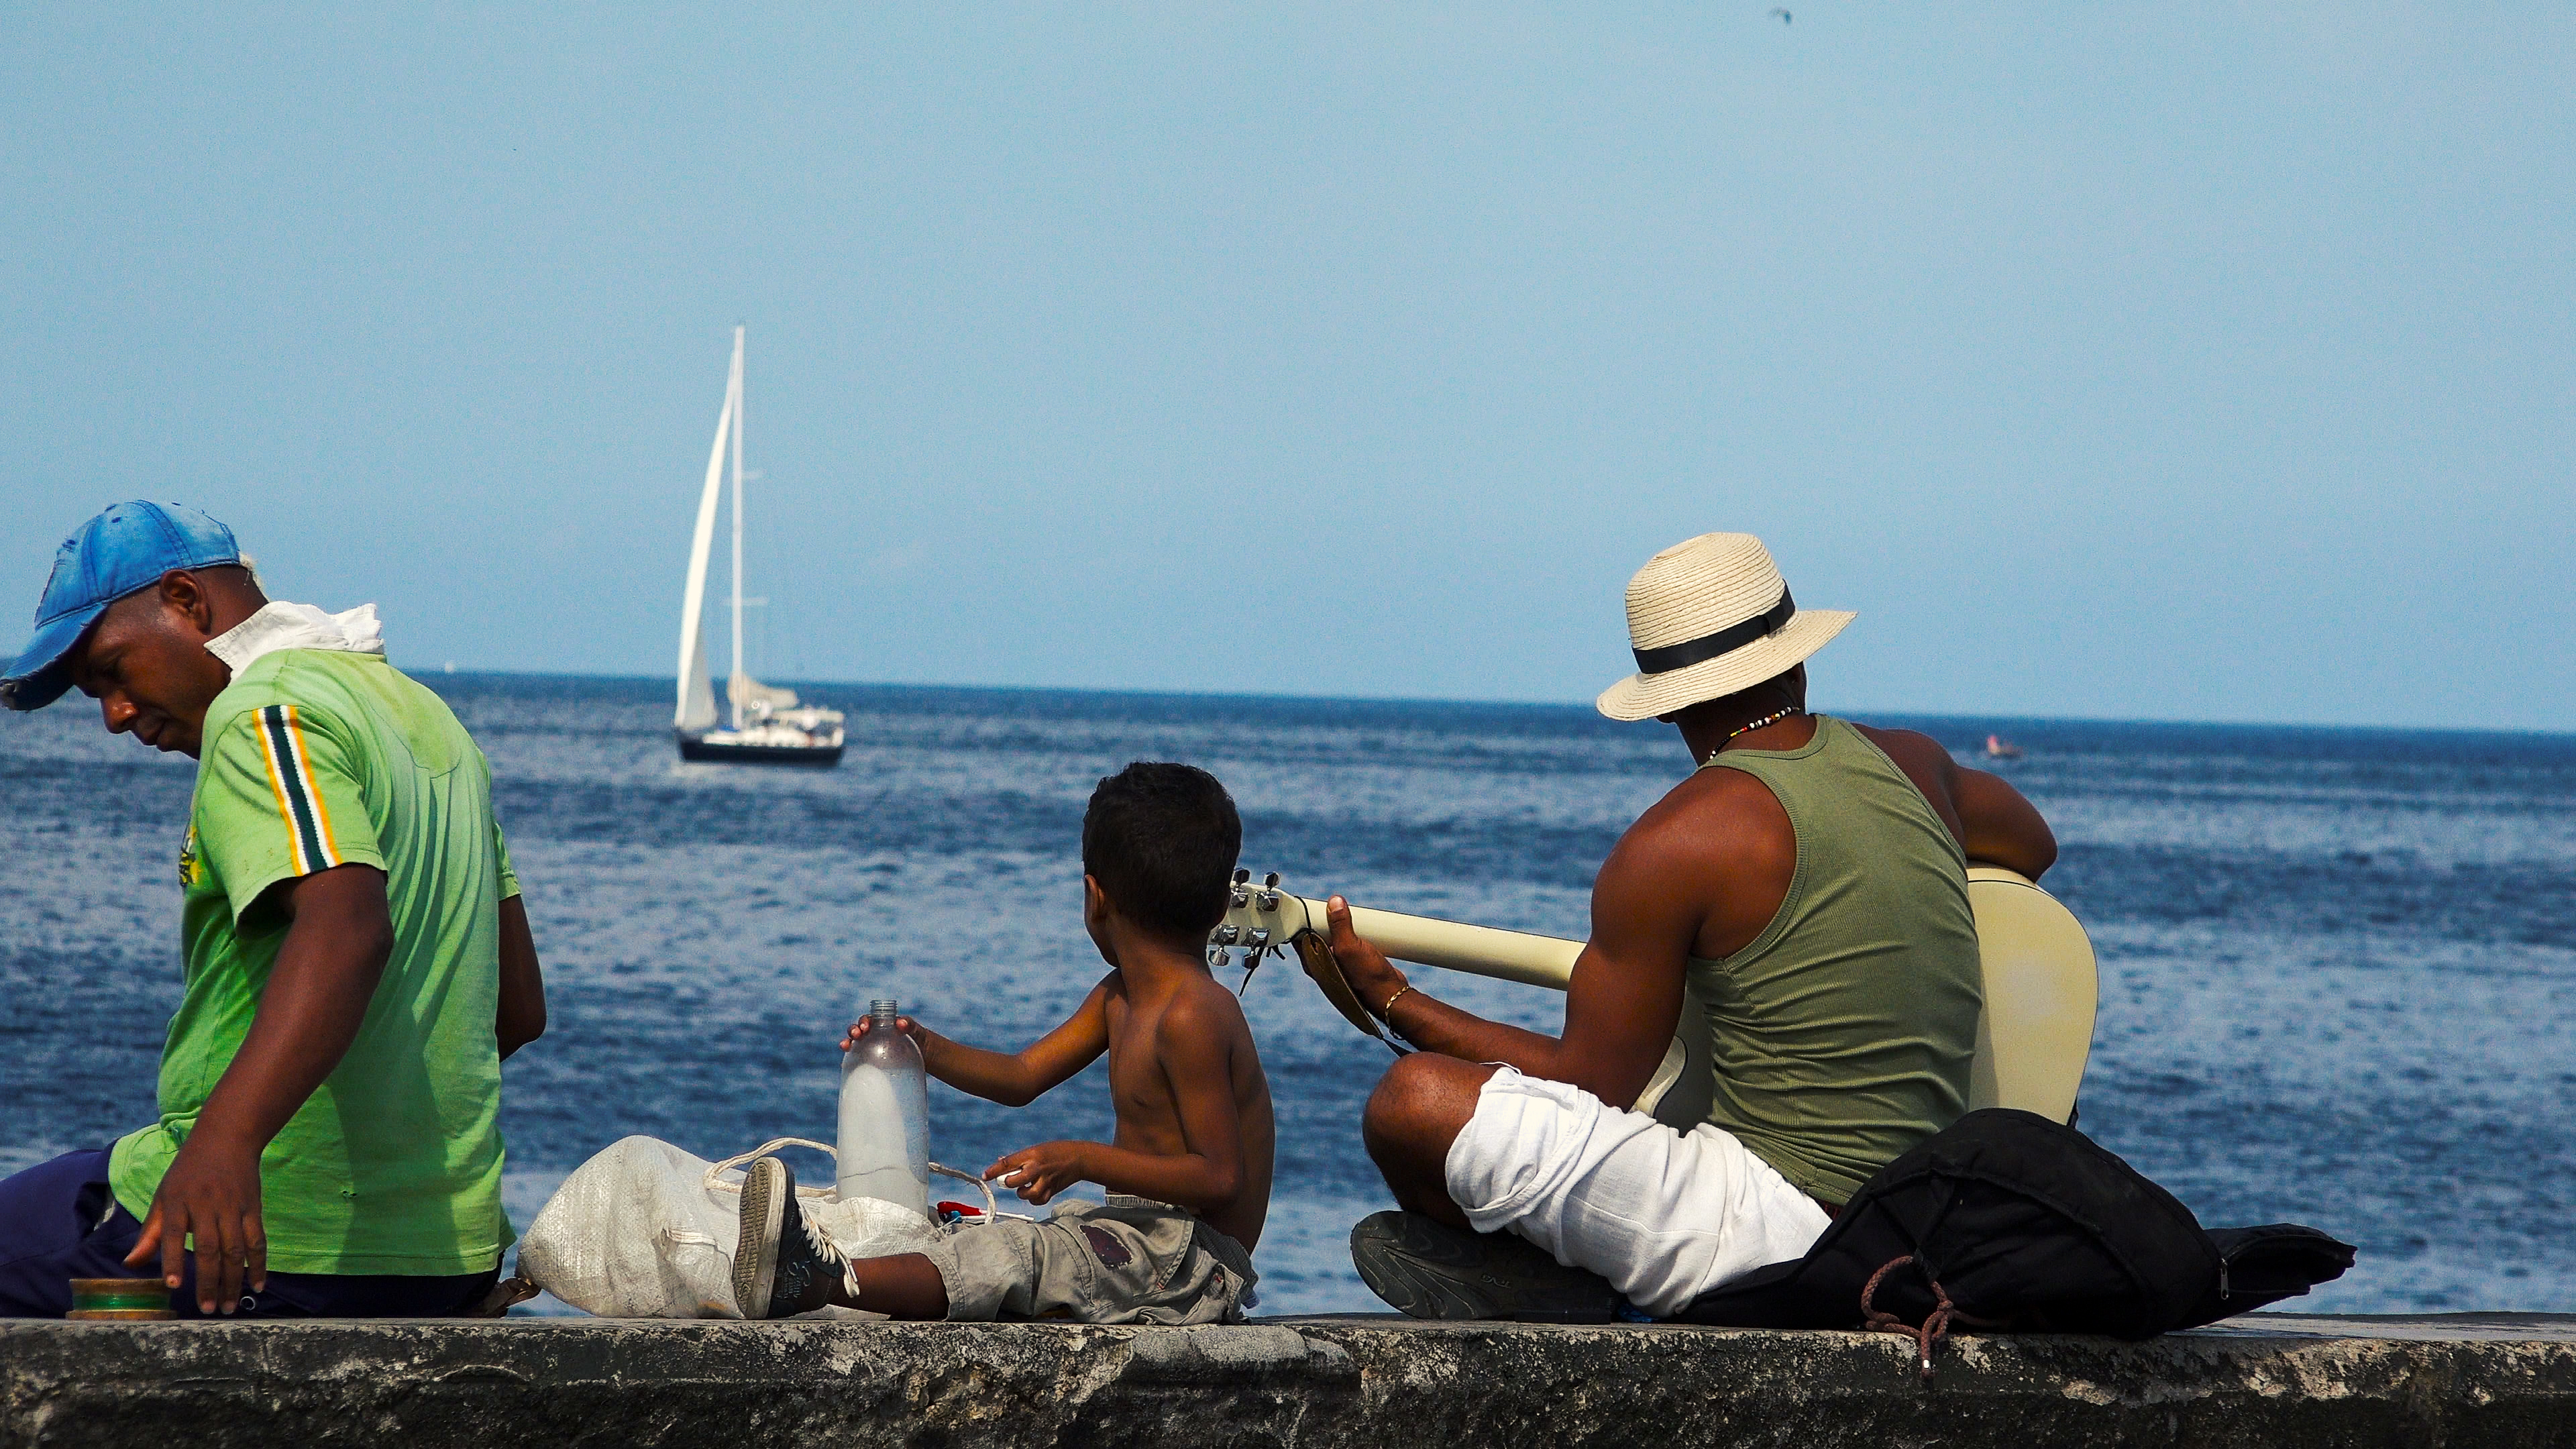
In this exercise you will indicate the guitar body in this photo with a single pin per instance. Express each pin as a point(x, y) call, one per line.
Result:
point(2041, 990)
point(2033, 1039)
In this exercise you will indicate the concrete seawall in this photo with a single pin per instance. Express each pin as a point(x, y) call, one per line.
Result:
point(2269, 1380)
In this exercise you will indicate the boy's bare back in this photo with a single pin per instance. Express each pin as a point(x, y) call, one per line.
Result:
point(1181, 1061)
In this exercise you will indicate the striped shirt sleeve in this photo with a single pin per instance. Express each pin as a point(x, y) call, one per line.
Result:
point(509, 877)
point(278, 797)
point(500, 846)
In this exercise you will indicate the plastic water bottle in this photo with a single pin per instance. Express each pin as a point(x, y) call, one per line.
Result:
point(884, 1148)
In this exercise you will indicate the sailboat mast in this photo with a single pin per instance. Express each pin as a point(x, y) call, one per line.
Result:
point(733, 686)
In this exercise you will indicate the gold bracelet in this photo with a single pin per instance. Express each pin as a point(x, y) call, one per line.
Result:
point(1386, 1013)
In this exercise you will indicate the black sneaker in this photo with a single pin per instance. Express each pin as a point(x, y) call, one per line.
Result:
point(782, 1265)
point(1427, 1269)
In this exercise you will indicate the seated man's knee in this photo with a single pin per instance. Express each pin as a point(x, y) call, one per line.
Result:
point(1420, 1106)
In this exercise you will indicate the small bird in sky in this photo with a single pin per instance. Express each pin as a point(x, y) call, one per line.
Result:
point(1783, 14)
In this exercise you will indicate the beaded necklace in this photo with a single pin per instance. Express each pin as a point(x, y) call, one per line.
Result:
point(1768, 719)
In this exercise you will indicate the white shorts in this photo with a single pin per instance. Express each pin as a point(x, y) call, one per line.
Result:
point(1664, 1215)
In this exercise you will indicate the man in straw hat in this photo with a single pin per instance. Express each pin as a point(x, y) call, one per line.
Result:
point(1808, 882)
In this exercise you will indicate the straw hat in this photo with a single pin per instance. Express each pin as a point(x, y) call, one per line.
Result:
point(1707, 617)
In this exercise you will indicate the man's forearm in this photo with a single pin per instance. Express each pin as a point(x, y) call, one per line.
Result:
point(521, 1014)
point(326, 972)
point(2001, 827)
point(1436, 1026)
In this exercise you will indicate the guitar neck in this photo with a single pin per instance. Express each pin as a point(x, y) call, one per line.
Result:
point(1479, 950)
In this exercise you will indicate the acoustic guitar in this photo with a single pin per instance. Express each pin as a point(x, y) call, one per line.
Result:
point(2033, 1038)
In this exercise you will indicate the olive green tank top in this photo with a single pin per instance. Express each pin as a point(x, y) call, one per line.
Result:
point(1841, 1036)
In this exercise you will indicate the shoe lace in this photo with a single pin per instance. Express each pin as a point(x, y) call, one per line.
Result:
point(822, 1244)
point(829, 1255)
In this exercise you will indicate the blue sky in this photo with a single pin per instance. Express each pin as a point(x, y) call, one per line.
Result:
point(2162, 361)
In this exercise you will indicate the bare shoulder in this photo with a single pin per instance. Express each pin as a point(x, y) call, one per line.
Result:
point(1920, 756)
point(1200, 1013)
point(1912, 750)
point(1107, 995)
point(1928, 763)
point(1700, 873)
point(1718, 816)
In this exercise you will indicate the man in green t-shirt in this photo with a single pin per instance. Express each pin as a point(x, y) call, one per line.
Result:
point(358, 960)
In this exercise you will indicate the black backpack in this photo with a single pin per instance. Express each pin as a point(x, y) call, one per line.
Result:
point(2008, 1221)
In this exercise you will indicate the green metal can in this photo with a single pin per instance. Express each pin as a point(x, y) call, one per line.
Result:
point(120, 1299)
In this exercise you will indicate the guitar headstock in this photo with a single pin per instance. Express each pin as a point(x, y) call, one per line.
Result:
point(1261, 918)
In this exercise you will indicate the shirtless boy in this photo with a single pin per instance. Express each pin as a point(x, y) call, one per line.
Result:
point(1189, 1171)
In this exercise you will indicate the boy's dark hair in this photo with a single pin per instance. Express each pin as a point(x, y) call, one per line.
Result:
point(1161, 840)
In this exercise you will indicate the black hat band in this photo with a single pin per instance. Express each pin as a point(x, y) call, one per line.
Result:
point(1725, 641)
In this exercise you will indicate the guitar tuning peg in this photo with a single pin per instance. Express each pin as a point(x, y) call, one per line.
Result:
point(1242, 875)
point(1270, 881)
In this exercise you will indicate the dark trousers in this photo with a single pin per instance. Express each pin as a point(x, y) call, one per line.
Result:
point(59, 1221)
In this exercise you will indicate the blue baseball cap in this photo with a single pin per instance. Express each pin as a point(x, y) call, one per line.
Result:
point(124, 550)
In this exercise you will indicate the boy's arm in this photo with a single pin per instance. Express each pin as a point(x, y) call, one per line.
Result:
point(1196, 1051)
point(1018, 1078)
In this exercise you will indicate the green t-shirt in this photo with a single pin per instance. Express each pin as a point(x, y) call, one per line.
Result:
point(312, 759)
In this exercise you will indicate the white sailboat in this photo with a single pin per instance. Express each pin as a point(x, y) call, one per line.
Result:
point(766, 724)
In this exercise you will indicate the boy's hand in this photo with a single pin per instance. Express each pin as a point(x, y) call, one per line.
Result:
point(920, 1034)
point(1040, 1172)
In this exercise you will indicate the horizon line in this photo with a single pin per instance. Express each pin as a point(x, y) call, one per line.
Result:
point(450, 669)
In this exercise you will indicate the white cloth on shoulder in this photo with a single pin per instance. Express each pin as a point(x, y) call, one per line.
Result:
point(298, 626)
point(1664, 1215)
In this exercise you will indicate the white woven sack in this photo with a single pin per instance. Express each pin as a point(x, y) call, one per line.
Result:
point(644, 1230)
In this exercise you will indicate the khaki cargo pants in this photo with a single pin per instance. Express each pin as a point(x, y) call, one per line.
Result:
point(1129, 1260)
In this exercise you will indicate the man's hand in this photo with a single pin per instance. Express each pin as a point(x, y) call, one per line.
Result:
point(211, 1191)
point(1620, 1006)
point(1372, 977)
point(1040, 1172)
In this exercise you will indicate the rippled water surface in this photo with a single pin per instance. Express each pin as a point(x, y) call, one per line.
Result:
point(2338, 967)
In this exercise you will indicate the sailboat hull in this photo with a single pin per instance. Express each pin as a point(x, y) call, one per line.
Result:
point(692, 747)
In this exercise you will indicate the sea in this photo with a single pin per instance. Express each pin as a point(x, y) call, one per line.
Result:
point(2338, 966)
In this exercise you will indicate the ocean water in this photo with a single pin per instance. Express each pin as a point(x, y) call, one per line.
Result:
point(2338, 967)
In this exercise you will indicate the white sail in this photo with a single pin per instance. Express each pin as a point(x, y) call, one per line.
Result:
point(697, 710)
point(750, 693)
